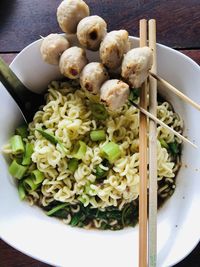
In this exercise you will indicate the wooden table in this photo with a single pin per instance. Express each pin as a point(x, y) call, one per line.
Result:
point(22, 21)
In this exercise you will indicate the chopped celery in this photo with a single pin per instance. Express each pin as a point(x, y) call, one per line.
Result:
point(37, 176)
point(17, 144)
point(79, 150)
point(98, 135)
point(111, 151)
point(17, 170)
point(28, 153)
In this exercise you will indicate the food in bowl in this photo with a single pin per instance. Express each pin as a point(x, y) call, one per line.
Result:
point(79, 157)
point(79, 161)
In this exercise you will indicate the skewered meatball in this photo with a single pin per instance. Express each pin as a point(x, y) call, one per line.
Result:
point(136, 65)
point(114, 93)
point(70, 12)
point(93, 76)
point(52, 47)
point(113, 47)
point(72, 61)
point(90, 32)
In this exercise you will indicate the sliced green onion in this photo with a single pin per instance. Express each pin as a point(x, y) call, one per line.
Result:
point(37, 176)
point(100, 173)
point(79, 150)
point(57, 208)
point(98, 135)
point(29, 184)
point(22, 131)
point(17, 144)
point(50, 137)
point(17, 170)
point(21, 191)
point(111, 151)
point(99, 111)
point(28, 153)
point(73, 164)
point(163, 143)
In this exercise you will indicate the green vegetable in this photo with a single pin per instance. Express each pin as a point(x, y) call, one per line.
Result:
point(37, 177)
point(17, 145)
point(99, 111)
point(22, 131)
point(98, 135)
point(73, 164)
point(111, 151)
point(21, 191)
point(163, 143)
point(57, 208)
point(174, 148)
point(29, 184)
point(77, 218)
point(100, 173)
point(134, 94)
point(17, 170)
point(50, 137)
point(28, 153)
point(79, 150)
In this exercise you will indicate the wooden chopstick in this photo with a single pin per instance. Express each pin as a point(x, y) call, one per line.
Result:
point(174, 90)
point(148, 114)
point(152, 223)
point(143, 162)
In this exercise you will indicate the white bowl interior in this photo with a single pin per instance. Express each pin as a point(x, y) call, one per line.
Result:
point(29, 230)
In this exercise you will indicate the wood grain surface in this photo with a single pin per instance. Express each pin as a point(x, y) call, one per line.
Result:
point(22, 21)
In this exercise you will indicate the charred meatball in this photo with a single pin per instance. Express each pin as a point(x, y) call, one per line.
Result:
point(113, 47)
point(136, 65)
point(72, 61)
point(114, 93)
point(93, 76)
point(90, 32)
point(52, 47)
point(70, 12)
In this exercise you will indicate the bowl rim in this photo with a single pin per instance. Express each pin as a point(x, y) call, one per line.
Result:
point(171, 50)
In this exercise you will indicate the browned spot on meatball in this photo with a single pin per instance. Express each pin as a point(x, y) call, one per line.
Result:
point(73, 72)
point(88, 86)
point(93, 35)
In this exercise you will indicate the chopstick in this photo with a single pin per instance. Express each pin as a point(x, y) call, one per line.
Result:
point(148, 114)
point(152, 224)
point(174, 90)
point(143, 162)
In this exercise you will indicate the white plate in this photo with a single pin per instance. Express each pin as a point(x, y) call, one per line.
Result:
point(29, 230)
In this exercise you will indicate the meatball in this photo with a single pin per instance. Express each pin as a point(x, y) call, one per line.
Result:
point(114, 93)
point(91, 31)
point(136, 65)
point(93, 76)
point(70, 12)
point(52, 47)
point(72, 61)
point(113, 47)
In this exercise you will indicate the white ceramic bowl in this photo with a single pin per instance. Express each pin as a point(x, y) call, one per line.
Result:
point(29, 230)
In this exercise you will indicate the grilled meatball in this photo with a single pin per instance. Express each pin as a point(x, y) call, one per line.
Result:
point(113, 47)
point(136, 65)
point(70, 12)
point(90, 32)
point(93, 76)
point(52, 47)
point(72, 61)
point(114, 93)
